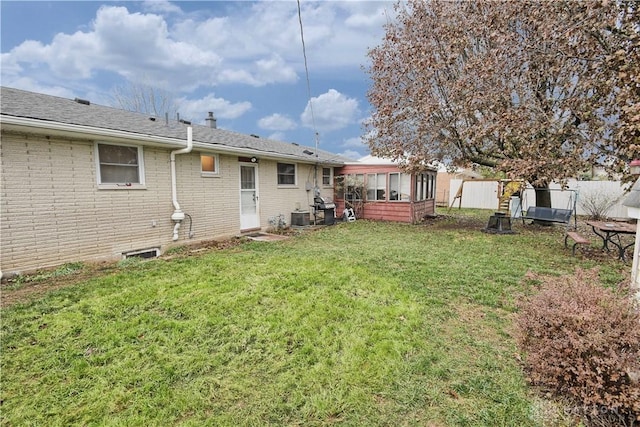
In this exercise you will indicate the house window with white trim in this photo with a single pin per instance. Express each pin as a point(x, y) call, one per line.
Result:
point(209, 164)
point(120, 165)
point(286, 174)
point(326, 177)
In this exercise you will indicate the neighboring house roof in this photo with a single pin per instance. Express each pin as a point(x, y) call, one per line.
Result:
point(374, 160)
point(460, 173)
point(22, 109)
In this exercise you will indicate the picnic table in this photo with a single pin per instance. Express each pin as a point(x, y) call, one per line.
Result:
point(610, 233)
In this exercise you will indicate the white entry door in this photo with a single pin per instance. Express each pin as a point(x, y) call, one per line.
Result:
point(249, 217)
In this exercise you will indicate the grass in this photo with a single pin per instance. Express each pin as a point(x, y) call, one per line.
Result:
point(363, 323)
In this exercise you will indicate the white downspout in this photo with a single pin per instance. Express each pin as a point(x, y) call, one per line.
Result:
point(178, 215)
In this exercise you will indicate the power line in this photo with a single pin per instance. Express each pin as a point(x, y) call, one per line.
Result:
point(306, 69)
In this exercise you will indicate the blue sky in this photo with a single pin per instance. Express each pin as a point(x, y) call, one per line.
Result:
point(242, 60)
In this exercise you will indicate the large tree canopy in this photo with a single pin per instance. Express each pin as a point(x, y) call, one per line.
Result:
point(539, 90)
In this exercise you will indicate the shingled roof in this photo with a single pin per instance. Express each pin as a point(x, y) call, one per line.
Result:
point(43, 109)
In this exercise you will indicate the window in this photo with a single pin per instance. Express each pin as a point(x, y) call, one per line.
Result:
point(399, 186)
point(418, 189)
point(209, 164)
point(286, 174)
point(422, 188)
point(120, 165)
point(354, 186)
point(326, 177)
point(431, 194)
point(340, 186)
point(376, 186)
point(350, 187)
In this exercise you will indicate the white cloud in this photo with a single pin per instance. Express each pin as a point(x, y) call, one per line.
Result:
point(198, 109)
point(362, 15)
point(277, 122)
point(254, 44)
point(29, 84)
point(135, 44)
point(211, 34)
point(331, 111)
point(192, 51)
point(274, 70)
point(354, 143)
point(349, 30)
point(160, 6)
point(132, 44)
point(351, 154)
point(277, 136)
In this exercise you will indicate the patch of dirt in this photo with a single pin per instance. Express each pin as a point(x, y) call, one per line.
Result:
point(23, 288)
point(266, 237)
point(455, 222)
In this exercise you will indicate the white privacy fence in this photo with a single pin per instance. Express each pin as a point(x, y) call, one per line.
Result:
point(484, 195)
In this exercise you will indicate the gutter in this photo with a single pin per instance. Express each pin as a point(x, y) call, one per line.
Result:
point(111, 135)
point(88, 132)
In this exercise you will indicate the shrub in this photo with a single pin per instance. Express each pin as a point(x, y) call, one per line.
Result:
point(277, 224)
point(598, 203)
point(582, 341)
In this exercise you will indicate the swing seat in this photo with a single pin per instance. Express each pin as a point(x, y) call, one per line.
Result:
point(539, 213)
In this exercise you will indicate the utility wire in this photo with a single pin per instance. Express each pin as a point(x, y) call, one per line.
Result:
point(306, 69)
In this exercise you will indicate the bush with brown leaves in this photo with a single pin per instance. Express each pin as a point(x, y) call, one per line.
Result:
point(582, 341)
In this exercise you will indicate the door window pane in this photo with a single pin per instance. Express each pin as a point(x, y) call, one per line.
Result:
point(247, 178)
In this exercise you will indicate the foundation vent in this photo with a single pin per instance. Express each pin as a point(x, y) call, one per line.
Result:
point(143, 253)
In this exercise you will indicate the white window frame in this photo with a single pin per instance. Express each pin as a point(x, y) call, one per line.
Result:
point(376, 182)
point(421, 187)
point(216, 166)
point(402, 177)
point(330, 184)
point(295, 175)
point(120, 185)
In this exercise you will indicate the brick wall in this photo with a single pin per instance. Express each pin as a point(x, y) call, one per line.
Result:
point(52, 211)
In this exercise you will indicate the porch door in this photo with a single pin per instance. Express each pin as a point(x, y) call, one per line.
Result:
point(249, 217)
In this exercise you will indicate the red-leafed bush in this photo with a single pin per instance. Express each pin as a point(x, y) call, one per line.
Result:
point(582, 341)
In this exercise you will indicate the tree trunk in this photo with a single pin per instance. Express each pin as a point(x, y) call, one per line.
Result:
point(543, 196)
point(543, 199)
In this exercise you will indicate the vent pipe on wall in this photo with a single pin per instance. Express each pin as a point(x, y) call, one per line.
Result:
point(178, 216)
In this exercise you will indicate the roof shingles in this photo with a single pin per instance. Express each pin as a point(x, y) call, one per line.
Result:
point(30, 105)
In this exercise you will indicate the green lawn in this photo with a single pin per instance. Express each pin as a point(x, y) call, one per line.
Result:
point(360, 324)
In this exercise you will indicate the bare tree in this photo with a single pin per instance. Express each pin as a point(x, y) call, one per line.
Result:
point(145, 98)
point(520, 86)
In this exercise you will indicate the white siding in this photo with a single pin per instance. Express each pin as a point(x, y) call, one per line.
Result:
point(484, 195)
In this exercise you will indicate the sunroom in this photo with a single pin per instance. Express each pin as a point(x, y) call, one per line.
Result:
point(378, 189)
